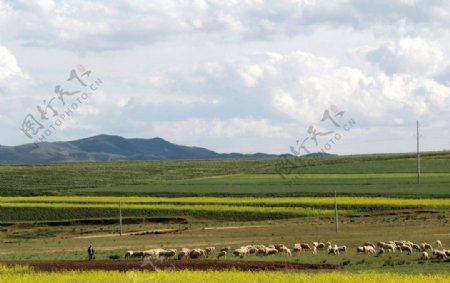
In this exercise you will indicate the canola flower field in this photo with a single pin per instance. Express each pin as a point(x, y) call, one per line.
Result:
point(251, 201)
point(51, 208)
point(26, 274)
point(75, 208)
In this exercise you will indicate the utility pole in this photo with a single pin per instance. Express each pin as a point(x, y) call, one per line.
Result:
point(418, 154)
point(120, 217)
point(336, 212)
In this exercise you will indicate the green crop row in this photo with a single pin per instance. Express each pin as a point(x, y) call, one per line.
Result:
point(367, 174)
point(18, 212)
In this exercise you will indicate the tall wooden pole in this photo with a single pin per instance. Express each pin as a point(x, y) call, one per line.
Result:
point(336, 212)
point(418, 154)
point(120, 217)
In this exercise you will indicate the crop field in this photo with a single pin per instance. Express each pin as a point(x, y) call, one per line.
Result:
point(29, 211)
point(366, 175)
point(25, 274)
point(17, 209)
point(51, 213)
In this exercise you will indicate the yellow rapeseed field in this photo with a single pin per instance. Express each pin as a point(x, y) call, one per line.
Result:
point(26, 274)
point(356, 201)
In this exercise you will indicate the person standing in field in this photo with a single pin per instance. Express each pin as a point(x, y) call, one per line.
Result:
point(90, 252)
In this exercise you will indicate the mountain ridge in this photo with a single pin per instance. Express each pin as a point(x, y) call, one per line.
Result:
point(110, 147)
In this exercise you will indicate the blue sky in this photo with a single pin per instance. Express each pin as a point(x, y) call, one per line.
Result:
point(233, 76)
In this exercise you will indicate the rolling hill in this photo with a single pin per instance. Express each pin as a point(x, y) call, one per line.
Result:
point(107, 147)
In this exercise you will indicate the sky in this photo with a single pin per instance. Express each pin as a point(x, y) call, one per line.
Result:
point(297, 76)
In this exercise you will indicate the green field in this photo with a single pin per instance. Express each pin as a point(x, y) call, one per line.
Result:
point(53, 211)
point(365, 175)
point(43, 209)
point(63, 242)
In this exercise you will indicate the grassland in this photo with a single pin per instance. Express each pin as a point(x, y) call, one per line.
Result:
point(229, 203)
point(371, 175)
point(45, 241)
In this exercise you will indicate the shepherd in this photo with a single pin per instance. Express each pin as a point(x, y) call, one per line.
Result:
point(90, 252)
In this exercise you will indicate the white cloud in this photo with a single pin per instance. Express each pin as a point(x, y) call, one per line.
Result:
point(5, 12)
point(292, 88)
point(116, 25)
point(250, 74)
point(415, 56)
point(11, 75)
point(231, 128)
point(225, 72)
point(302, 84)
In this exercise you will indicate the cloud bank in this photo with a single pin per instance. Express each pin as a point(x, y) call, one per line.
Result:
point(234, 75)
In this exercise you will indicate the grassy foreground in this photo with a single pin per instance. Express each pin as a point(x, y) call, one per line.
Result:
point(26, 274)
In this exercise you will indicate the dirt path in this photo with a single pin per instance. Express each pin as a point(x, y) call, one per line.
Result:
point(201, 264)
point(140, 233)
point(235, 227)
point(164, 231)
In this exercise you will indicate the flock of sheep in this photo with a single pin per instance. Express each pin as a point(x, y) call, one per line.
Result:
point(261, 250)
point(404, 246)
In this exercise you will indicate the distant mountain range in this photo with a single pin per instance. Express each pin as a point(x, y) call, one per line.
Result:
point(107, 147)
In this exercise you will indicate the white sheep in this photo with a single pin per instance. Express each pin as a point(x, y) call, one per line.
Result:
point(226, 249)
point(209, 250)
point(333, 249)
point(285, 250)
point(425, 255)
point(279, 246)
point(196, 253)
point(405, 248)
point(241, 252)
point(261, 250)
point(369, 250)
point(134, 254)
point(426, 247)
point(128, 254)
point(154, 253)
point(439, 243)
point(439, 254)
point(183, 253)
point(251, 249)
point(319, 246)
point(270, 251)
point(416, 247)
point(389, 247)
point(342, 249)
point(305, 246)
point(222, 254)
point(168, 253)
